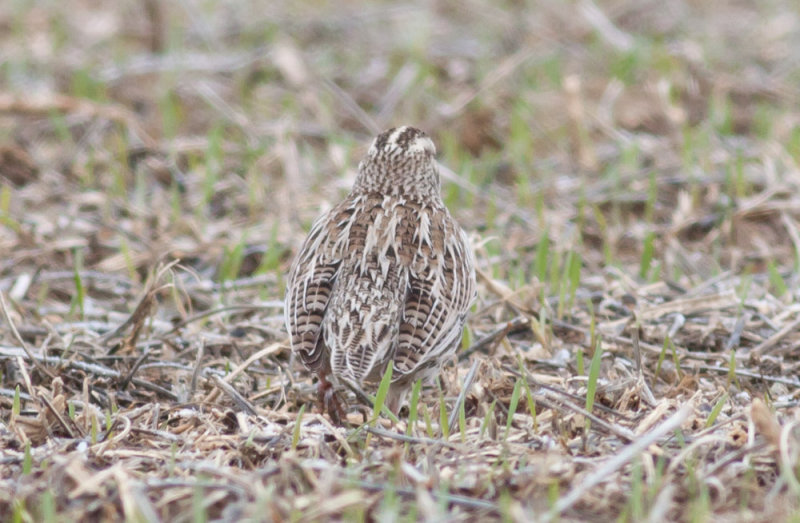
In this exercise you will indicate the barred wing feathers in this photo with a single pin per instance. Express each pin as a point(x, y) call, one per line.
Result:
point(379, 279)
point(441, 287)
point(308, 292)
point(363, 320)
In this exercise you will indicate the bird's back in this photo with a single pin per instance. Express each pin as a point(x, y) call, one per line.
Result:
point(362, 323)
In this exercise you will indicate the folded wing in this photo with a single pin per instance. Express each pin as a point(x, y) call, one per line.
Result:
point(441, 287)
point(308, 292)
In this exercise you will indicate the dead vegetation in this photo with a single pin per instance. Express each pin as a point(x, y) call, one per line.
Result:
point(629, 172)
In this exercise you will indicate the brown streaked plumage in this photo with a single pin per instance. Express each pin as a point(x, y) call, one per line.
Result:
point(385, 277)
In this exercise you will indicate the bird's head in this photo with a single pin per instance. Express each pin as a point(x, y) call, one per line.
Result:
point(400, 161)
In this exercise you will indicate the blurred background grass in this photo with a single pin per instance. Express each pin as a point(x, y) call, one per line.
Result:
point(258, 112)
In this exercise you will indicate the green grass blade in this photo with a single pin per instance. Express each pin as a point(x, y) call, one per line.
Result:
point(661, 356)
point(716, 410)
point(542, 256)
point(27, 460)
point(413, 406)
point(383, 390)
point(200, 514)
point(462, 421)
point(648, 250)
point(428, 422)
point(528, 394)
point(591, 386)
point(575, 266)
point(512, 405)
point(16, 404)
point(297, 424)
point(80, 290)
point(443, 417)
point(776, 280)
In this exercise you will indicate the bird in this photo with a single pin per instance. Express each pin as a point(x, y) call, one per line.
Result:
point(384, 278)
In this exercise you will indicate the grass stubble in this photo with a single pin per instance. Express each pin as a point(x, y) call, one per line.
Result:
point(629, 172)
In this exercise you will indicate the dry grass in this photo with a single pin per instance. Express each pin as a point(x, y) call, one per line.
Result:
point(629, 172)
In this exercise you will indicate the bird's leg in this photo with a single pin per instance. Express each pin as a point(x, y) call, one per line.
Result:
point(330, 400)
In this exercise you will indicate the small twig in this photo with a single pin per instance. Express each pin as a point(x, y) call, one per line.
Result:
point(155, 388)
point(198, 366)
point(645, 393)
point(689, 450)
point(654, 349)
point(741, 372)
point(143, 308)
point(240, 400)
point(158, 433)
point(773, 340)
point(161, 484)
point(735, 457)
point(127, 380)
point(212, 312)
point(736, 335)
point(689, 306)
point(495, 336)
point(470, 377)
point(26, 377)
point(606, 470)
point(230, 285)
point(560, 392)
point(553, 403)
point(618, 431)
point(126, 429)
point(61, 421)
point(336, 433)
point(410, 439)
point(611, 34)
point(19, 339)
point(450, 498)
point(266, 351)
point(349, 104)
point(8, 393)
point(275, 347)
point(91, 368)
point(50, 276)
